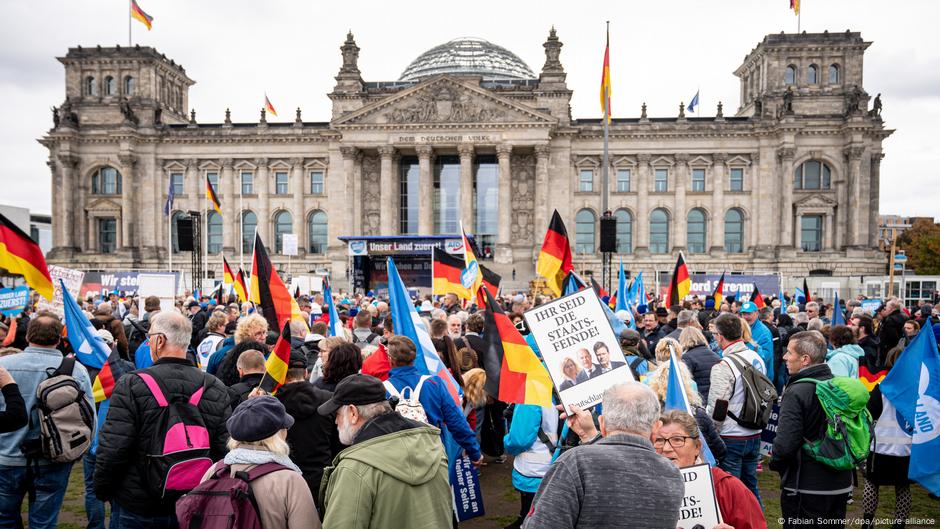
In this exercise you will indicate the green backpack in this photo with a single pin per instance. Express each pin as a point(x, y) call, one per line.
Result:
point(847, 438)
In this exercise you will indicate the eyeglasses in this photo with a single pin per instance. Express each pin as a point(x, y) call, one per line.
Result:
point(675, 442)
point(151, 335)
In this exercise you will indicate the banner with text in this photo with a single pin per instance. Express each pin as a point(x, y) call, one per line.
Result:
point(738, 286)
point(699, 505)
point(73, 282)
point(13, 300)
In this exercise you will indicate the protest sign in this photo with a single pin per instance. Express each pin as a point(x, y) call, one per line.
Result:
point(13, 300)
point(699, 505)
point(468, 498)
point(770, 432)
point(579, 347)
point(161, 285)
point(73, 282)
point(871, 305)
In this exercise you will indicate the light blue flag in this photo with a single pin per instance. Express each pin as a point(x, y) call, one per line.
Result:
point(838, 318)
point(677, 399)
point(797, 294)
point(919, 404)
point(640, 294)
point(623, 299)
point(694, 103)
point(632, 323)
point(408, 323)
point(89, 348)
point(336, 325)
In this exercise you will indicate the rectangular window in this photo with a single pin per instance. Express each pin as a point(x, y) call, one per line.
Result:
point(623, 180)
point(176, 180)
point(408, 196)
point(811, 231)
point(107, 235)
point(214, 179)
point(280, 183)
point(661, 184)
point(698, 179)
point(248, 181)
point(736, 181)
point(445, 202)
point(316, 182)
point(586, 181)
point(486, 193)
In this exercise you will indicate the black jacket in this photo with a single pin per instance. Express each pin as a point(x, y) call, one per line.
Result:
point(803, 419)
point(700, 360)
point(872, 359)
point(479, 346)
point(239, 392)
point(710, 433)
point(125, 438)
point(313, 439)
point(891, 331)
point(14, 416)
point(198, 320)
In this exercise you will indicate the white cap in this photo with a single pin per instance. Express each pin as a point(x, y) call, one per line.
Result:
point(106, 336)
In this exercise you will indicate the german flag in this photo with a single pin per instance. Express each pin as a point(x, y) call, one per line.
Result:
point(807, 298)
point(275, 369)
point(680, 284)
point(605, 81)
point(240, 288)
point(514, 374)
point(718, 295)
point(598, 289)
point(268, 106)
point(491, 282)
point(138, 13)
point(795, 6)
point(268, 291)
point(555, 257)
point(109, 374)
point(757, 298)
point(210, 194)
point(869, 379)
point(19, 255)
point(227, 276)
point(446, 270)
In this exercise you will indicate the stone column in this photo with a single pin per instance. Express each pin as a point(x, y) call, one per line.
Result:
point(425, 190)
point(68, 224)
point(784, 176)
point(128, 208)
point(875, 198)
point(387, 190)
point(842, 210)
point(349, 167)
point(297, 188)
point(229, 207)
point(753, 230)
point(503, 154)
point(356, 205)
point(467, 199)
point(719, 170)
point(263, 187)
point(856, 232)
point(679, 221)
point(197, 199)
point(58, 204)
point(542, 153)
point(828, 233)
point(643, 188)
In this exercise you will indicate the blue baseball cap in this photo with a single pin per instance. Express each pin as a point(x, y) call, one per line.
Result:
point(748, 307)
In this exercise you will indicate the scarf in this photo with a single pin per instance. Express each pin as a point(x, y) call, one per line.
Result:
point(249, 456)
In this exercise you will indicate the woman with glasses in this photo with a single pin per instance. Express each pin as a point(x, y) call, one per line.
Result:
point(677, 439)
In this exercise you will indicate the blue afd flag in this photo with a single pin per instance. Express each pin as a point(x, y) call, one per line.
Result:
point(89, 348)
point(640, 293)
point(694, 103)
point(677, 399)
point(408, 323)
point(919, 404)
point(336, 325)
point(838, 318)
point(622, 294)
point(170, 195)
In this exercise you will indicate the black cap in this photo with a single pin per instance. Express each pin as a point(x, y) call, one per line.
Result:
point(354, 389)
point(192, 304)
point(298, 360)
point(661, 311)
point(258, 418)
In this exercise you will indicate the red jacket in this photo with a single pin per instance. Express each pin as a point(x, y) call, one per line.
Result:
point(739, 507)
point(377, 364)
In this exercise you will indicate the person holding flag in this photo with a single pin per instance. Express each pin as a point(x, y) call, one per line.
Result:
point(554, 260)
point(679, 285)
point(334, 325)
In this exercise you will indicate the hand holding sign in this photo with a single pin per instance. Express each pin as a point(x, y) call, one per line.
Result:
point(580, 422)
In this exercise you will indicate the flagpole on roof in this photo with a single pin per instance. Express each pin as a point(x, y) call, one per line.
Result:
point(130, 8)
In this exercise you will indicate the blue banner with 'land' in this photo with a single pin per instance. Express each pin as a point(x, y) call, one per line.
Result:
point(13, 300)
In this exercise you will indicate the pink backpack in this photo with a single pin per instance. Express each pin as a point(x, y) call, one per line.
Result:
point(224, 501)
point(179, 447)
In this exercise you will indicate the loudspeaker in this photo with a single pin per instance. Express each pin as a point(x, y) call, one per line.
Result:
point(608, 234)
point(184, 234)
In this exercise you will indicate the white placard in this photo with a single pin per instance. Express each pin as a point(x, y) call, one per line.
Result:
point(73, 282)
point(289, 244)
point(699, 505)
point(161, 285)
point(579, 347)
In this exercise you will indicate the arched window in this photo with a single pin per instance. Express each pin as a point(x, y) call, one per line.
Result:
point(812, 74)
point(91, 86)
point(812, 174)
point(283, 222)
point(624, 231)
point(734, 231)
point(789, 77)
point(696, 222)
point(834, 74)
point(110, 86)
point(659, 231)
point(175, 242)
point(249, 224)
point(317, 233)
point(584, 231)
point(129, 85)
point(106, 181)
point(214, 232)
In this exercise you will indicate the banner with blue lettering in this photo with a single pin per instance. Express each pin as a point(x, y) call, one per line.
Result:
point(13, 300)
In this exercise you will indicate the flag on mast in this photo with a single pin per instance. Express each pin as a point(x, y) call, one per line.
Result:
point(139, 14)
point(554, 260)
point(795, 6)
point(680, 285)
point(20, 255)
point(718, 295)
point(268, 106)
point(694, 103)
point(170, 196)
point(210, 194)
point(605, 81)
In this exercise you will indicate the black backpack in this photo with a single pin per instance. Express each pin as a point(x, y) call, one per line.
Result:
point(759, 396)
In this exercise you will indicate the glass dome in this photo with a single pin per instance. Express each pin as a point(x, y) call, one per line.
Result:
point(468, 56)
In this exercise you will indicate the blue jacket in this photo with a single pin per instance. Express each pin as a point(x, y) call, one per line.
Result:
point(220, 353)
point(28, 368)
point(142, 359)
point(765, 346)
point(439, 406)
point(523, 433)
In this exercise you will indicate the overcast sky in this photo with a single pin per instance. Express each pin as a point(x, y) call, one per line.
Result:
point(661, 52)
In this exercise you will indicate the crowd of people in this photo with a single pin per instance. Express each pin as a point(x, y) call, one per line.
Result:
point(353, 437)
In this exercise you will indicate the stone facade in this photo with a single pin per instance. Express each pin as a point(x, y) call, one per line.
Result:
point(126, 110)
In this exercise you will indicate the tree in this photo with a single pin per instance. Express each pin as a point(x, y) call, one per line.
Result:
point(921, 243)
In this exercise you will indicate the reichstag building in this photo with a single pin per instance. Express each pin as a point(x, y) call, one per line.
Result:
point(788, 182)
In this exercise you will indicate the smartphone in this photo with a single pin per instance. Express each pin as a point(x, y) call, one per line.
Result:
point(721, 410)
